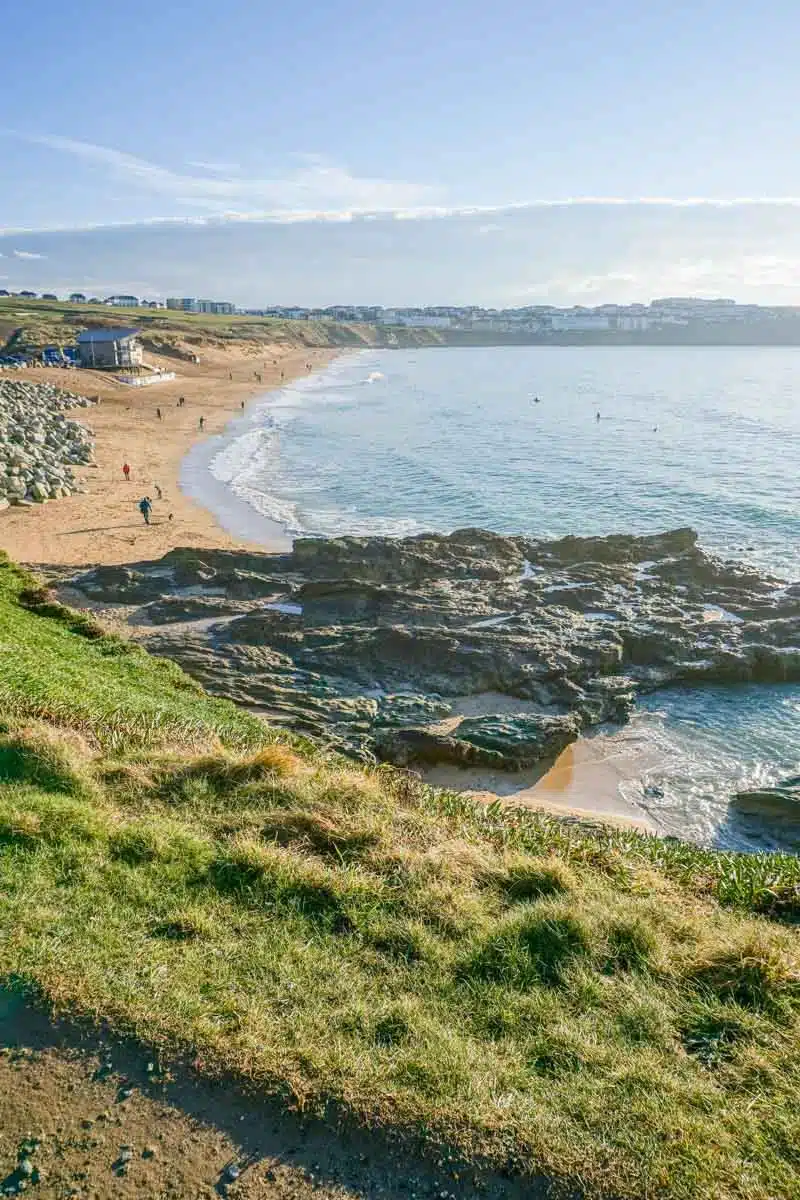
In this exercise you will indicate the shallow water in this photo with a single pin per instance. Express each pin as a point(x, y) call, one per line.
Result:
point(395, 442)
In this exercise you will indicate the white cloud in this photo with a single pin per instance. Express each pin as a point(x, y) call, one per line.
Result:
point(27, 254)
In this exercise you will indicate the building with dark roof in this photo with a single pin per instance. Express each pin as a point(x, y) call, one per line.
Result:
point(122, 301)
point(110, 348)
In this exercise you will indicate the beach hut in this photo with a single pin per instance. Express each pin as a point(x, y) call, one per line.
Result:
point(110, 348)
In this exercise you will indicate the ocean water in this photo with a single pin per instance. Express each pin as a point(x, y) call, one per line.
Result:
point(395, 442)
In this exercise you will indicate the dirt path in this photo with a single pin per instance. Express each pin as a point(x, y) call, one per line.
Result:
point(94, 1118)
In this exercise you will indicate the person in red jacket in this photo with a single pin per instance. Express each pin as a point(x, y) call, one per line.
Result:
point(126, 471)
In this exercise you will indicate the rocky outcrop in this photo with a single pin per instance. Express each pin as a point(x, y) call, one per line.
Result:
point(39, 446)
point(782, 800)
point(467, 648)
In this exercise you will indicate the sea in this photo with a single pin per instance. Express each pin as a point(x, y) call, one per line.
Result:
point(547, 441)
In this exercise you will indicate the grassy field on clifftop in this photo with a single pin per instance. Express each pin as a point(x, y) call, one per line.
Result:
point(615, 1012)
point(27, 326)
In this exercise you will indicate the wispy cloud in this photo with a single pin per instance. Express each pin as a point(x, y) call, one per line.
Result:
point(314, 185)
point(216, 167)
point(27, 254)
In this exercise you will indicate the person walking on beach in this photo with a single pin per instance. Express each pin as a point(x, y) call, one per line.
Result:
point(126, 471)
point(158, 413)
point(202, 422)
point(158, 491)
point(145, 508)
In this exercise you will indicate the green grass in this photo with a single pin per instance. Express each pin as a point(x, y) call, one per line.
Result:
point(617, 1012)
point(55, 667)
point(26, 326)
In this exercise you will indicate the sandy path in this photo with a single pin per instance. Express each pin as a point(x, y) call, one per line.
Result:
point(104, 525)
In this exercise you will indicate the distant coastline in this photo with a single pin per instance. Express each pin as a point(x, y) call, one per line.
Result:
point(677, 336)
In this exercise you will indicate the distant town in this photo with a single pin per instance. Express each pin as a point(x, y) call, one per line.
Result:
point(664, 316)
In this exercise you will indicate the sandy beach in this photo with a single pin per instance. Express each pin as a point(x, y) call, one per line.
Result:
point(104, 525)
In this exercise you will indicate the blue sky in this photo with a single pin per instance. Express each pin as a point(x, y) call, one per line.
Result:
point(506, 153)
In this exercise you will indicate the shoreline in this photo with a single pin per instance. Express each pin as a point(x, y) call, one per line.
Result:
point(103, 525)
point(236, 516)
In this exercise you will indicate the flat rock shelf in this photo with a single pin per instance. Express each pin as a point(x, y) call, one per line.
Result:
point(469, 649)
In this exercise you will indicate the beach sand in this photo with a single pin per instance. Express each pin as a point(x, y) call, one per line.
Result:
point(584, 781)
point(104, 525)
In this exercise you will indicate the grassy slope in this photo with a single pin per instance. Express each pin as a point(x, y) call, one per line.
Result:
point(28, 325)
point(618, 1012)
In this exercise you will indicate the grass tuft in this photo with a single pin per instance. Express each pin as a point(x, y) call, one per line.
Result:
point(531, 879)
point(530, 948)
point(755, 975)
point(42, 759)
point(319, 833)
point(631, 945)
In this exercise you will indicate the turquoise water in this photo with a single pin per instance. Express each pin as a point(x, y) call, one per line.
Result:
point(396, 442)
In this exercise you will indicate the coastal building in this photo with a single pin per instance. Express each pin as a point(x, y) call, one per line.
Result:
point(187, 304)
point(122, 301)
point(413, 320)
point(109, 349)
point(585, 322)
point(635, 322)
point(191, 305)
point(219, 308)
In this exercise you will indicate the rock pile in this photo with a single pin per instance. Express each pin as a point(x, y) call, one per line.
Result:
point(469, 648)
point(39, 446)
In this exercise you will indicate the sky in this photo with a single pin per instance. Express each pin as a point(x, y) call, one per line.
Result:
point(500, 154)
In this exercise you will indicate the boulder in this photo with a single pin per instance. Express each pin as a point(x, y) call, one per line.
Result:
point(782, 800)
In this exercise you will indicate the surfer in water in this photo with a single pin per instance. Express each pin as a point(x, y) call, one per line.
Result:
point(597, 418)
